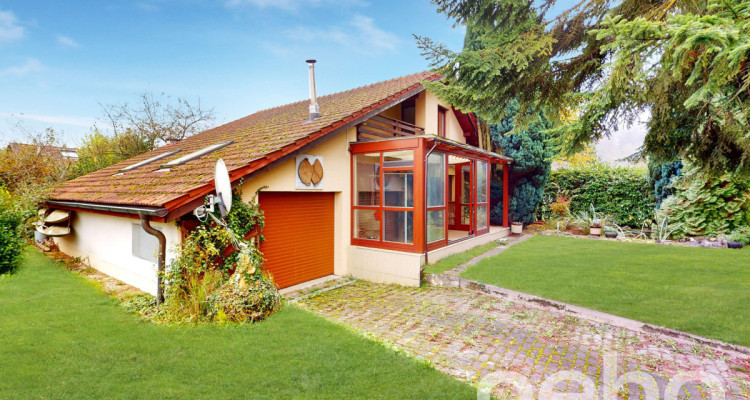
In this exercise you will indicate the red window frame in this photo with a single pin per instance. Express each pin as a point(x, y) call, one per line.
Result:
point(417, 196)
point(419, 220)
point(441, 121)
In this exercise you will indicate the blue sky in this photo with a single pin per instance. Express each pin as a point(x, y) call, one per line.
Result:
point(60, 59)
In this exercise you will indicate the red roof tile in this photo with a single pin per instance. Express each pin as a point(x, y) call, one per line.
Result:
point(259, 137)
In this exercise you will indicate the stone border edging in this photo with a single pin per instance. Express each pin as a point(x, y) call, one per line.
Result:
point(441, 280)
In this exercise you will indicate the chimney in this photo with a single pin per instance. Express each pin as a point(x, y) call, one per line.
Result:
point(314, 107)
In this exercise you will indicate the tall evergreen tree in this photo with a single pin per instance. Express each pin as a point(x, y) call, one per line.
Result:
point(605, 62)
point(530, 169)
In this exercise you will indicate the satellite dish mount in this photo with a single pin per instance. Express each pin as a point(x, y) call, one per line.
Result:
point(223, 199)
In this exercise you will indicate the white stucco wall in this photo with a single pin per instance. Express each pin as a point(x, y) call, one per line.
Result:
point(105, 243)
point(336, 179)
point(426, 115)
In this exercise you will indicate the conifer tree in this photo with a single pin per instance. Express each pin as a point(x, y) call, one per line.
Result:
point(606, 62)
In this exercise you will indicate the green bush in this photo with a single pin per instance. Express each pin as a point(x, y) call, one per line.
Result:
point(741, 235)
point(705, 205)
point(621, 192)
point(206, 284)
point(11, 240)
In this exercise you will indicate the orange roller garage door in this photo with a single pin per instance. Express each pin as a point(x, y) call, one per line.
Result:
point(299, 236)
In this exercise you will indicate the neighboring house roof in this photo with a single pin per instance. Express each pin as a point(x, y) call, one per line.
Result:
point(55, 153)
point(258, 140)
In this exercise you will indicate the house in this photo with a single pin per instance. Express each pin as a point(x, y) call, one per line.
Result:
point(371, 182)
point(54, 153)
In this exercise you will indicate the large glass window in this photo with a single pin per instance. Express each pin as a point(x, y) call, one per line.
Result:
point(384, 197)
point(436, 197)
point(398, 226)
point(398, 188)
point(435, 180)
point(366, 179)
point(481, 182)
point(481, 217)
point(435, 225)
point(367, 224)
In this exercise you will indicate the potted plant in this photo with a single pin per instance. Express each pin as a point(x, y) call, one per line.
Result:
point(516, 227)
point(595, 228)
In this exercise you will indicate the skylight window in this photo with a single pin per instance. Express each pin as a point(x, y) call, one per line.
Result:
point(196, 154)
point(150, 160)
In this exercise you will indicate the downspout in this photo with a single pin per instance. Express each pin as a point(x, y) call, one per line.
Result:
point(160, 260)
point(425, 202)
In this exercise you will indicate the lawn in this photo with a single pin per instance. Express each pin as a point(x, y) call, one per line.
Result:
point(455, 260)
point(61, 337)
point(697, 290)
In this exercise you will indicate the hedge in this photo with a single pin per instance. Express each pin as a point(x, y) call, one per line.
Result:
point(621, 192)
point(11, 241)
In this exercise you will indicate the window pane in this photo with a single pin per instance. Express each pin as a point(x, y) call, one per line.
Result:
point(398, 159)
point(145, 245)
point(398, 190)
point(435, 225)
point(367, 224)
point(398, 226)
point(465, 215)
point(481, 182)
point(435, 180)
point(482, 217)
point(466, 184)
point(366, 179)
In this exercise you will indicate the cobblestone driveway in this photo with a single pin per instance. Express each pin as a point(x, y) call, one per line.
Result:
point(470, 335)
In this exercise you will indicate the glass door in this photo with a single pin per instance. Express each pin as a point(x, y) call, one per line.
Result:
point(464, 196)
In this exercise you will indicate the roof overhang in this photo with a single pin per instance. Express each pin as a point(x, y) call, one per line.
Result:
point(444, 145)
point(158, 212)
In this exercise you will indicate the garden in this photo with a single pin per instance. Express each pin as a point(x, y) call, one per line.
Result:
point(703, 291)
point(65, 338)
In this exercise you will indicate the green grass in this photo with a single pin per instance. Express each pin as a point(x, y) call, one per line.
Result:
point(455, 260)
point(61, 337)
point(697, 290)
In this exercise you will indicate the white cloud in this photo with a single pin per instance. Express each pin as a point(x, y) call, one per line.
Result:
point(31, 65)
point(374, 36)
point(9, 28)
point(67, 42)
point(53, 119)
point(359, 34)
point(292, 5)
point(625, 141)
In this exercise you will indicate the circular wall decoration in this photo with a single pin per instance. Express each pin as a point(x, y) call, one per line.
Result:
point(317, 173)
point(306, 172)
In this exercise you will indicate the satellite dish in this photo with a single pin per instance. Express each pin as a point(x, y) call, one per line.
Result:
point(223, 187)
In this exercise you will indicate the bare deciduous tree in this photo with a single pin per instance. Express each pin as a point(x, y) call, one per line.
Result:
point(155, 120)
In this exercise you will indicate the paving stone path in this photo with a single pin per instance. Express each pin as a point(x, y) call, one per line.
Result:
point(470, 335)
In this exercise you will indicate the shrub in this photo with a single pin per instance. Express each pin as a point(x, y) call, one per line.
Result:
point(251, 302)
point(661, 177)
point(11, 240)
point(560, 207)
point(705, 205)
point(623, 193)
point(210, 281)
point(741, 235)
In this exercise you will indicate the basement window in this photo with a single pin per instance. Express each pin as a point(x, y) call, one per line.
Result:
point(145, 245)
point(150, 160)
point(196, 154)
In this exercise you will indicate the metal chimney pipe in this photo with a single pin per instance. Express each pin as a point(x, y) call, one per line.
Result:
point(314, 107)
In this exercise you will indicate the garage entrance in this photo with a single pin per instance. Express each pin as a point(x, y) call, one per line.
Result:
point(299, 236)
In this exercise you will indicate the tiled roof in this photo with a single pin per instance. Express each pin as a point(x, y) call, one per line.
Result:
point(258, 139)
